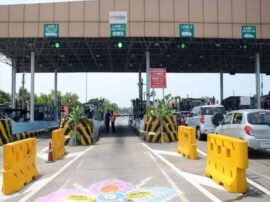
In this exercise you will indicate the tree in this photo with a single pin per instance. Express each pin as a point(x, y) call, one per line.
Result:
point(23, 98)
point(5, 98)
point(48, 98)
point(71, 100)
point(74, 118)
point(161, 110)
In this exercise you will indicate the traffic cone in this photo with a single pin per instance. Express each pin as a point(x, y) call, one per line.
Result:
point(50, 155)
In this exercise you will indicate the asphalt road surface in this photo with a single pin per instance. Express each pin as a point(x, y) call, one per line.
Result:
point(121, 166)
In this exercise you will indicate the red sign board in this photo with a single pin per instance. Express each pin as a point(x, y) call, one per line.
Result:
point(158, 77)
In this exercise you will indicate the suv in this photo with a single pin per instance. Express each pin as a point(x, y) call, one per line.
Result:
point(205, 118)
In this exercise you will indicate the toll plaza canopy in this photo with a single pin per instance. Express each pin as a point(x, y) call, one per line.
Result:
point(181, 35)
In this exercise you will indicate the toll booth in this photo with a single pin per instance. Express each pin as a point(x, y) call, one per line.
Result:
point(44, 112)
point(94, 110)
point(238, 102)
point(186, 104)
point(139, 108)
point(265, 101)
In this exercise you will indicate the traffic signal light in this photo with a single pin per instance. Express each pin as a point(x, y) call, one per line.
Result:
point(119, 45)
point(55, 44)
point(183, 45)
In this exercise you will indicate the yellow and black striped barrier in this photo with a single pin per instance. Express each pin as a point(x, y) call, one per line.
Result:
point(84, 131)
point(5, 131)
point(25, 135)
point(152, 129)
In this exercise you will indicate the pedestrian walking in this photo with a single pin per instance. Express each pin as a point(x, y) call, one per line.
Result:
point(113, 121)
point(107, 120)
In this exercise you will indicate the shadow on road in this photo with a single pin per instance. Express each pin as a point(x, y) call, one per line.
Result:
point(259, 154)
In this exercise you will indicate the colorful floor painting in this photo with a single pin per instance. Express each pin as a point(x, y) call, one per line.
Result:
point(112, 190)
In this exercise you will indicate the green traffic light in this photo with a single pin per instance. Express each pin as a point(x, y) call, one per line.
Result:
point(120, 45)
point(57, 45)
point(245, 46)
point(183, 45)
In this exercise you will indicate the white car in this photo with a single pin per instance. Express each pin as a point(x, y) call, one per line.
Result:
point(205, 118)
point(252, 125)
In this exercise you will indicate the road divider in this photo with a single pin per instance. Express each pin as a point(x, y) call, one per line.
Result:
point(153, 131)
point(58, 144)
point(227, 161)
point(19, 165)
point(187, 142)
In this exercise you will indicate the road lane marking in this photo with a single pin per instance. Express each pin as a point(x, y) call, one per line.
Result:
point(260, 174)
point(145, 181)
point(178, 171)
point(253, 183)
point(181, 194)
point(49, 179)
point(167, 153)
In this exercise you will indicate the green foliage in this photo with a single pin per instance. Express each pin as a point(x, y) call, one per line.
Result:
point(5, 98)
point(71, 100)
point(75, 116)
point(23, 97)
point(162, 108)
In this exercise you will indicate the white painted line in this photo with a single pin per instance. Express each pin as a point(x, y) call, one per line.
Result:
point(38, 188)
point(43, 156)
point(260, 174)
point(167, 153)
point(201, 152)
point(144, 181)
point(43, 150)
point(181, 194)
point(253, 183)
point(79, 164)
point(69, 155)
point(178, 171)
point(65, 184)
point(258, 186)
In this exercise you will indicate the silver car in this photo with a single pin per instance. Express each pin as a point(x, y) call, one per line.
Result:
point(205, 118)
point(252, 125)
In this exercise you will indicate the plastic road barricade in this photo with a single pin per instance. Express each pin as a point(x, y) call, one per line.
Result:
point(58, 144)
point(19, 165)
point(187, 142)
point(227, 161)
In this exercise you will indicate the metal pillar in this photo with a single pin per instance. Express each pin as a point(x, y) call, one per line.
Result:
point(32, 101)
point(147, 77)
point(221, 87)
point(258, 71)
point(140, 84)
point(55, 96)
point(13, 85)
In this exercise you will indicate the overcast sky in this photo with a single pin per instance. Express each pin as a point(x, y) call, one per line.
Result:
point(9, 2)
point(121, 88)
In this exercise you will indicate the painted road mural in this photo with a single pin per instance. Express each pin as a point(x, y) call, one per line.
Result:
point(112, 190)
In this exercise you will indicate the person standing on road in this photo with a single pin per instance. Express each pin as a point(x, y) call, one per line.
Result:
point(112, 121)
point(107, 120)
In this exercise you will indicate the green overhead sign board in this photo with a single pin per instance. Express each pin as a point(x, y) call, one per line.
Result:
point(248, 32)
point(118, 30)
point(51, 30)
point(186, 30)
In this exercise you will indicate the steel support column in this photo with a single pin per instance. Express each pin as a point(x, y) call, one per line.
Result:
point(55, 96)
point(32, 101)
point(258, 71)
point(147, 77)
point(13, 85)
point(140, 84)
point(221, 87)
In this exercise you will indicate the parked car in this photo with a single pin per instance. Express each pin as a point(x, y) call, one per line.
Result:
point(205, 119)
point(181, 117)
point(252, 125)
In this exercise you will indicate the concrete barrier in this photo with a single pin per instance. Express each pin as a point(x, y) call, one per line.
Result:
point(19, 165)
point(152, 129)
point(187, 142)
point(227, 161)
